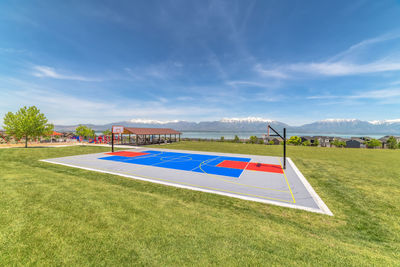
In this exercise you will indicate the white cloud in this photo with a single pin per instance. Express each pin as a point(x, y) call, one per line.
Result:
point(63, 108)
point(246, 83)
point(344, 68)
point(343, 64)
point(385, 94)
point(274, 73)
point(49, 72)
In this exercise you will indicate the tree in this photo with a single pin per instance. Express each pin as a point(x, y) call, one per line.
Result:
point(294, 140)
point(107, 132)
point(316, 142)
point(338, 143)
point(222, 139)
point(373, 143)
point(392, 142)
point(271, 142)
point(84, 131)
point(236, 139)
point(306, 143)
point(27, 123)
point(253, 139)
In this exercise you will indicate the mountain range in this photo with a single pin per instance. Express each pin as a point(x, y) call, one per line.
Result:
point(252, 124)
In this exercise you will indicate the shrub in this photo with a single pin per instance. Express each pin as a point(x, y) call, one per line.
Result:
point(236, 139)
point(306, 143)
point(271, 142)
point(253, 139)
point(392, 143)
point(338, 143)
point(294, 140)
point(315, 143)
point(222, 139)
point(373, 143)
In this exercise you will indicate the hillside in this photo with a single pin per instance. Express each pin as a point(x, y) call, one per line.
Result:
point(329, 126)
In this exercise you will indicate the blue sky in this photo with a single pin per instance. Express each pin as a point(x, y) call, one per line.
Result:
point(292, 61)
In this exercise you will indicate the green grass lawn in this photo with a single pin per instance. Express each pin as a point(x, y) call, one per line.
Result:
point(54, 215)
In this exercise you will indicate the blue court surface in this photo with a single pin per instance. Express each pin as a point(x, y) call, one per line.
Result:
point(183, 161)
point(250, 177)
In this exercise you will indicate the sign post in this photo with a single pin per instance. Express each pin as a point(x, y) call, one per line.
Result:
point(115, 130)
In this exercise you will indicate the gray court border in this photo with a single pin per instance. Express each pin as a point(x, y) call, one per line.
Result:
point(323, 209)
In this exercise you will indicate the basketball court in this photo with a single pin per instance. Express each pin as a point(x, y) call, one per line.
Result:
point(249, 177)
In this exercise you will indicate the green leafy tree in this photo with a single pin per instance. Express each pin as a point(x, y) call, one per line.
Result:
point(392, 143)
point(261, 142)
point(222, 139)
point(84, 131)
point(27, 123)
point(306, 143)
point(236, 139)
point(338, 143)
point(294, 140)
point(271, 142)
point(373, 143)
point(315, 143)
point(107, 132)
point(253, 139)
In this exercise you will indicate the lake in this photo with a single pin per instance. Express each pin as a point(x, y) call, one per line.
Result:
point(246, 135)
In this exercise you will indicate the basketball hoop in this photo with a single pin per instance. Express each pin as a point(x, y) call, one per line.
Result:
point(118, 129)
point(115, 130)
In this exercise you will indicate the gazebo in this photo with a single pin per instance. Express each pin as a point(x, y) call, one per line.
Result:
point(144, 136)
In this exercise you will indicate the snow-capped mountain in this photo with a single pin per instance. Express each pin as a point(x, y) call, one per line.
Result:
point(254, 124)
point(246, 120)
point(144, 121)
point(351, 126)
point(385, 122)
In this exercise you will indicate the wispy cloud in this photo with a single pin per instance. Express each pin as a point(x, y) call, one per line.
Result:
point(343, 64)
point(49, 72)
point(162, 71)
point(344, 68)
point(62, 107)
point(247, 84)
point(274, 73)
point(382, 94)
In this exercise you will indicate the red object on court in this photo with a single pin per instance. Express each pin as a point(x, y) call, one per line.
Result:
point(233, 164)
point(262, 167)
point(127, 154)
point(253, 166)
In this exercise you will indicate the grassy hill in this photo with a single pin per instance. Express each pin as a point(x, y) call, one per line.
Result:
point(53, 215)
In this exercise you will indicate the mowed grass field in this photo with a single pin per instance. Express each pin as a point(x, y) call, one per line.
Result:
point(56, 215)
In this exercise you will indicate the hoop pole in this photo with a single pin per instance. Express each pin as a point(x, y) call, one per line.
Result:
point(112, 142)
point(284, 142)
point(284, 148)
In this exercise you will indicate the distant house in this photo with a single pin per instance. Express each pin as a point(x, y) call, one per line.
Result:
point(324, 141)
point(307, 138)
point(385, 139)
point(355, 142)
point(311, 139)
point(276, 140)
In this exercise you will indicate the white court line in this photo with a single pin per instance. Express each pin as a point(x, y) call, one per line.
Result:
point(282, 204)
point(244, 168)
point(321, 204)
